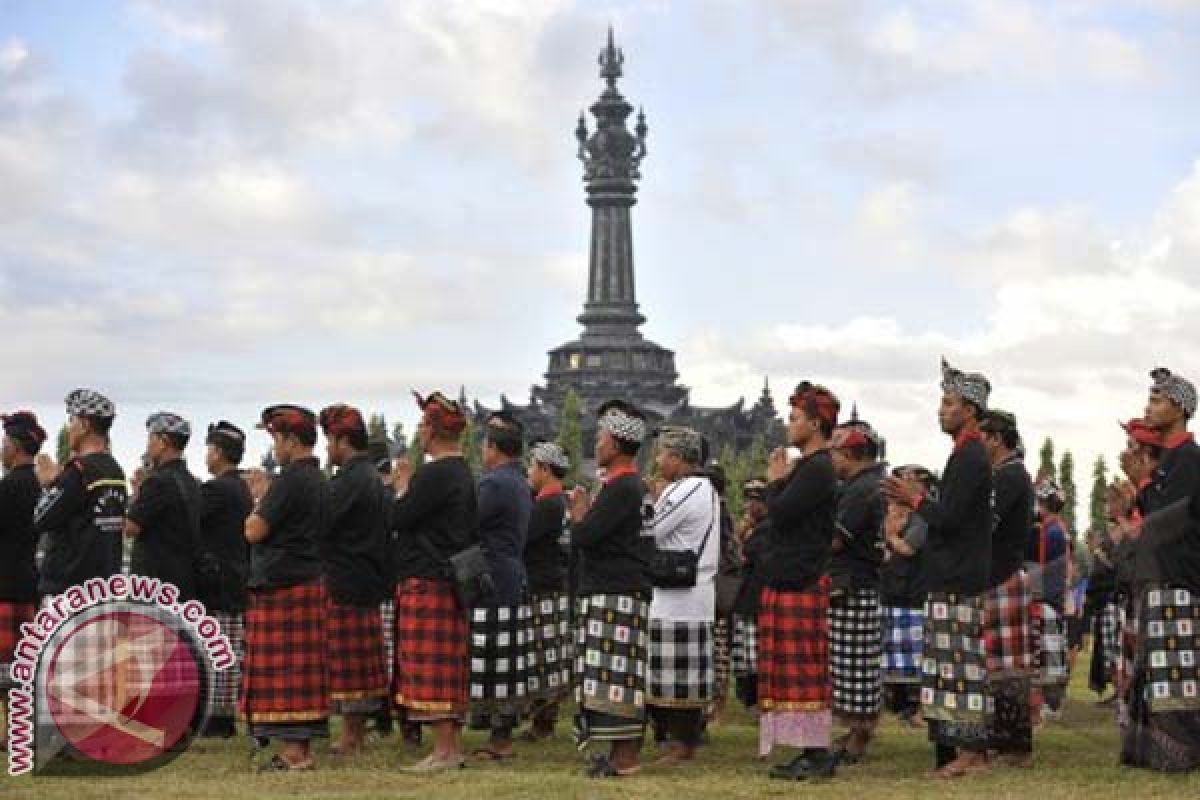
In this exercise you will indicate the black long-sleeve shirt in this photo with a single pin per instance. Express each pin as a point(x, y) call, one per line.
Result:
point(608, 540)
point(801, 510)
point(545, 557)
point(19, 493)
point(167, 508)
point(860, 512)
point(225, 502)
point(1168, 552)
point(439, 512)
point(355, 548)
point(505, 504)
point(958, 556)
point(83, 518)
point(754, 551)
point(1012, 508)
point(295, 509)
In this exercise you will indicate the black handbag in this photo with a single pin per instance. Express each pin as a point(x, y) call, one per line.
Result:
point(677, 569)
point(468, 571)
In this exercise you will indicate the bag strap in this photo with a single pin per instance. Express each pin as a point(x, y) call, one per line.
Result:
point(711, 523)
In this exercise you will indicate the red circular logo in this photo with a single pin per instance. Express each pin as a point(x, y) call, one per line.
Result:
point(124, 687)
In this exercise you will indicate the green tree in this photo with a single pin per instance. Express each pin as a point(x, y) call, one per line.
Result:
point(377, 427)
point(470, 442)
point(734, 464)
point(416, 452)
point(756, 460)
point(1047, 469)
point(1066, 478)
point(400, 439)
point(1099, 487)
point(63, 446)
point(570, 436)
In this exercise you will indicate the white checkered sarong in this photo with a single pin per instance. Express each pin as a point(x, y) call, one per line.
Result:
point(387, 613)
point(904, 634)
point(1050, 638)
point(745, 646)
point(1109, 640)
point(856, 652)
point(550, 656)
point(225, 688)
point(680, 671)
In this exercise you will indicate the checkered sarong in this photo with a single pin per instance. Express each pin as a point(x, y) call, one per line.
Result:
point(387, 616)
point(856, 652)
point(284, 677)
point(431, 671)
point(358, 682)
point(793, 649)
point(498, 674)
point(1171, 645)
point(1110, 637)
point(744, 656)
point(225, 689)
point(1127, 626)
point(722, 653)
point(91, 640)
point(550, 656)
point(903, 634)
point(610, 663)
point(680, 673)
point(1007, 630)
point(1050, 641)
point(11, 616)
point(954, 665)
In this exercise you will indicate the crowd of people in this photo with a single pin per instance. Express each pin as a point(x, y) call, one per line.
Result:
point(426, 599)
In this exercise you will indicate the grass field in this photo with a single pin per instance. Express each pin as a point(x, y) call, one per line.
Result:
point(1075, 758)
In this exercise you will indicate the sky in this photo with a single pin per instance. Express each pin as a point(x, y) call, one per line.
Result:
point(209, 207)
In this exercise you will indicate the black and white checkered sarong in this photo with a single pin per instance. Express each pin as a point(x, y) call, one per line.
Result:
point(387, 614)
point(225, 688)
point(497, 654)
point(551, 653)
point(1109, 625)
point(680, 673)
point(744, 655)
point(856, 652)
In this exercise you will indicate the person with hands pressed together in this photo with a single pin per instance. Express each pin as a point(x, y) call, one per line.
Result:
point(957, 559)
point(435, 517)
point(285, 685)
point(794, 691)
point(19, 492)
point(614, 597)
point(354, 558)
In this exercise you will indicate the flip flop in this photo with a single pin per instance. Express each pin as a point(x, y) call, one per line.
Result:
point(488, 754)
point(601, 767)
point(280, 764)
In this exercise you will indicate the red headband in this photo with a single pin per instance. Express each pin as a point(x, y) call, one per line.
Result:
point(816, 401)
point(340, 420)
point(442, 413)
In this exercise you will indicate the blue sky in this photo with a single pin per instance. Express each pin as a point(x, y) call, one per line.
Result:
point(212, 206)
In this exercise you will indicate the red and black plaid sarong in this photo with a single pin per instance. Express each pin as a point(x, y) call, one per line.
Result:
point(793, 649)
point(357, 673)
point(12, 614)
point(431, 671)
point(1007, 629)
point(284, 679)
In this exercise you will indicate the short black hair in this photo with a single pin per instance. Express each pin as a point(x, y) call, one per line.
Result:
point(99, 425)
point(230, 451)
point(357, 438)
point(505, 433)
point(176, 440)
point(307, 436)
point(1003, 426)
point(627, 447)
point(1054, 503)
point(557, 472)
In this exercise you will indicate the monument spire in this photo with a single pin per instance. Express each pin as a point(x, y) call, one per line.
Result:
point(611, 157)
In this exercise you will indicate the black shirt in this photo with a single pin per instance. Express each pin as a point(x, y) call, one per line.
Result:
point(958, 556)
point(608, 540)
point(801, 510)
point(295, 510)
point(505, 503)
point(1169, 550)
point(167, 508)
point(225, 502)
point(354, 551)
point(19, 493)
point(860, 512)
point(754, 550)
point(83, 519)
point(1012, 508)
point(439, 512)
point(545, 557)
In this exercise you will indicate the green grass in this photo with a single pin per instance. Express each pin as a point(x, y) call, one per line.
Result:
point(1075, 758)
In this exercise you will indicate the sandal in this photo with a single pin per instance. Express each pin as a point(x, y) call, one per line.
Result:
point(488, 754)
point(431, 764)
point(280, 764)
point(601, 767)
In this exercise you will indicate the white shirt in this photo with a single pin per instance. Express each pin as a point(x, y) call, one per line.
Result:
point(685, 513)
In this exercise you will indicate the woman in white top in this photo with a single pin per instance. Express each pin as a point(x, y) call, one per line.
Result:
point(679, 680)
